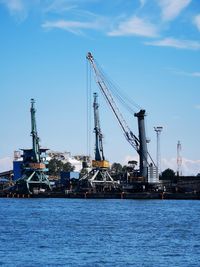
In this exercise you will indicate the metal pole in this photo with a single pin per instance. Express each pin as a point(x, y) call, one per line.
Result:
point(158, 131)
point(179, 159)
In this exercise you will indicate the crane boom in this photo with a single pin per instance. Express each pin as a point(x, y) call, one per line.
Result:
point(99, 155)
point(130, 137)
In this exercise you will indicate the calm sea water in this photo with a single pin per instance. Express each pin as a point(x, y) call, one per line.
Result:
point(79, 232)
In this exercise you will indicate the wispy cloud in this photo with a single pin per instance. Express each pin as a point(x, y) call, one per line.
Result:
point(75, 27)
point(176, 43)
point(189, 167)
point(172, 8)
point(16, 8)
point(5, 164)
point(197, 21)
point(191, 74)
point(13, 5)
point(135, 26)
point(59, 6)
point(197, 106)
point(20, 9)
point(142, 3)
point(80, 18)
point(195, 74)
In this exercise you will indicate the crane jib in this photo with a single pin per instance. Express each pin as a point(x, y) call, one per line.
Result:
point(131, 138)
point(139, 144)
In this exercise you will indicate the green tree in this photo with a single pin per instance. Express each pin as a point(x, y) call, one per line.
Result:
point(55, 166)
point(116, 167)
point(68, 167)
point(125, 168)
point(168, 174)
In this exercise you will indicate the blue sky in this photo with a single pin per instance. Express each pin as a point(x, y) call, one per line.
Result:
point(150, 48)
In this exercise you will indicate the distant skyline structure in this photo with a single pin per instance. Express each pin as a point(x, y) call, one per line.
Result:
point(158, 131)
point(179, 159)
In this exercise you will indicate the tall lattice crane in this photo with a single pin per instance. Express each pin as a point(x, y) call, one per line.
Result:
point(139, 144)
point(98, 178)
point(33, 168)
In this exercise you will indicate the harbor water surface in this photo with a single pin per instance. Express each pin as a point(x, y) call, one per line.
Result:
point(82, 232)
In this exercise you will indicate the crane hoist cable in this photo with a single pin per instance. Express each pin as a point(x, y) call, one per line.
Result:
point(125, 100)
point(131, 138)
point(88, 107)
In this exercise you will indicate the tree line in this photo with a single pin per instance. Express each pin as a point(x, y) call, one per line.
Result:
point(55, 166)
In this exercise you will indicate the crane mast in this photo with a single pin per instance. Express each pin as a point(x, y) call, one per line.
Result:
point(34, 134)
point(99, 155)
point(139, 144)
point(99, 160)
point(143, 153)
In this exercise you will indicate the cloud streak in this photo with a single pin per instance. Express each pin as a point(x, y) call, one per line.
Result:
point(75, 27)
point(13, 5)
point(172, 8)
point(16, 8)
point(197, 21)
point(142, 3)
point(189, 167)
point(135, 26)
point(197, 107)
point(75, 16)
point(5, 164)
point(191, 74)
point(176, 43)
point(195, 74)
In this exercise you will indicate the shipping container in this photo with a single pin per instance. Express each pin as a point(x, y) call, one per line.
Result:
point(17, 169)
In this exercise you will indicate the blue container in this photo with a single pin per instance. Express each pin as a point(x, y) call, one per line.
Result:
point(17, 170)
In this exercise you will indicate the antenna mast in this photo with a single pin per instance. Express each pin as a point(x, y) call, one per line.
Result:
point(179, 159)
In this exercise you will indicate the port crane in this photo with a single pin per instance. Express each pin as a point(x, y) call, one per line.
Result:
point(139, 144)
point(33, 166)
point(99, 178)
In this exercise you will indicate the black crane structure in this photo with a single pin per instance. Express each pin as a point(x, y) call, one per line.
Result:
point(138, 143)
point(33, 167)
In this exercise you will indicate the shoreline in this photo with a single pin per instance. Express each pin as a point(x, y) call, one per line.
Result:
point(123, 195)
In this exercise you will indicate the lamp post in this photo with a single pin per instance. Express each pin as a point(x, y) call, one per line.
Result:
point(158, 131)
